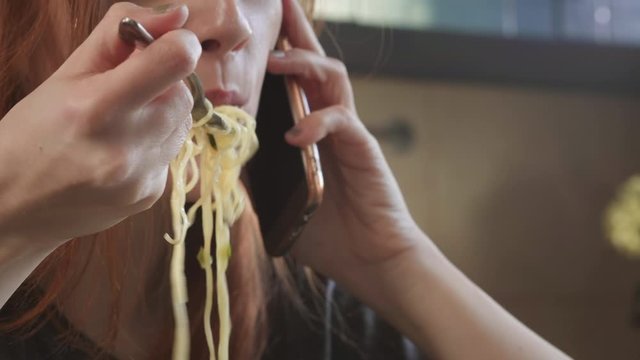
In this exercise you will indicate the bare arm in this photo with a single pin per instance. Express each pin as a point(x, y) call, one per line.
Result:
point(18, 258)
point(364, 237)
point(19, 255)
point(438, 307)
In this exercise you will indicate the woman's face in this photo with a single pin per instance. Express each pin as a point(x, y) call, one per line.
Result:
point(236, 37)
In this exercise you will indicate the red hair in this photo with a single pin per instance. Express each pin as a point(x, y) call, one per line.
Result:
point(28, 44)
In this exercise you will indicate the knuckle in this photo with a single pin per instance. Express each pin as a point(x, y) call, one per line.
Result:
point(147, 202)
point(75, 113)
point(339, 68)
point(314, 72)
point(369, 138)
point(117, 167)
point(82, 114)
point(343, 112)
point(146, 193)
point(175, 111)
point(181, 52)
point(135, 195)
point(297, 53)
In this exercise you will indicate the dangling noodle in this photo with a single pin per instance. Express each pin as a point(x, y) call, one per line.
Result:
point(221, 155)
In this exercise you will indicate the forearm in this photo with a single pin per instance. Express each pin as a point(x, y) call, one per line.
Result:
point(434, 304)
point(18, 258)
point(19, 255)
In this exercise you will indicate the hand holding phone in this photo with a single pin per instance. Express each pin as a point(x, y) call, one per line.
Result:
point(285, 182)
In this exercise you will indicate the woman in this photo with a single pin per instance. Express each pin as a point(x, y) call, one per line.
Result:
point(88, 129)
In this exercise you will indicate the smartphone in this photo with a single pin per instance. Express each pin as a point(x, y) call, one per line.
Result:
point(285, 182)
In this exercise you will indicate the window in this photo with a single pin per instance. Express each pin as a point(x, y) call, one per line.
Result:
point(578, 20)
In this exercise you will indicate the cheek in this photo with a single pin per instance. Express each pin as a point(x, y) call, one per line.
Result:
point(276, 20)
point(266, 29)
point(265, 20)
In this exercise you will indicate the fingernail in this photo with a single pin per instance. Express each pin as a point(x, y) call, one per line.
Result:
point(294, 132)
point(165, 8)
point(278, 53)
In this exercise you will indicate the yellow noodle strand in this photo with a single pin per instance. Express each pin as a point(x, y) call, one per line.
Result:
point(220, 192)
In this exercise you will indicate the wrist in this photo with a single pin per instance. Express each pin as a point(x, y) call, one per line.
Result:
point(390, 285)
point(430, 301)
point(20, 230)
point(399, 289)
point(14, 247)
point(19, 257)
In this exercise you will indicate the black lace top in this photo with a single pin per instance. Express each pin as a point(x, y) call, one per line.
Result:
point(349, 331)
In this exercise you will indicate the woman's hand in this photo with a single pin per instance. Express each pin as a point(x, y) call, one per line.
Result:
point(364, 237)
point(363, 221)
point(92, 144)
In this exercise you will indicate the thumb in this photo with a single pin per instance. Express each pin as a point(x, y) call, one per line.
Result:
point(104, 50)
point(132, 81)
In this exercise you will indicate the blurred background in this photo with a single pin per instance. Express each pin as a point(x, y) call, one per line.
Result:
point(510, 124)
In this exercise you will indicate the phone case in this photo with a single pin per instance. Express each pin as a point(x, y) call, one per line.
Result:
point(312, 167)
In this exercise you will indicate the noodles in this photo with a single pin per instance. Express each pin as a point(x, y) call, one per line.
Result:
point(221, 155)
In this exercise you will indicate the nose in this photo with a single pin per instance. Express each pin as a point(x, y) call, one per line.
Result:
point(222, 27)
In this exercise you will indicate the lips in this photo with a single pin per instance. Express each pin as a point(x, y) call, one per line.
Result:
point(225, 97)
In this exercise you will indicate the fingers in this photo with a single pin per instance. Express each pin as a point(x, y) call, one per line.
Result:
point(346, 139)
point(298, 29)
point(177, 122)
point(325, 80)
point(306, 64)
point(132, 81)
point(103, 50)
point(337, 120)
point(166, 121)
point(148, 74)
point(327, 74)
